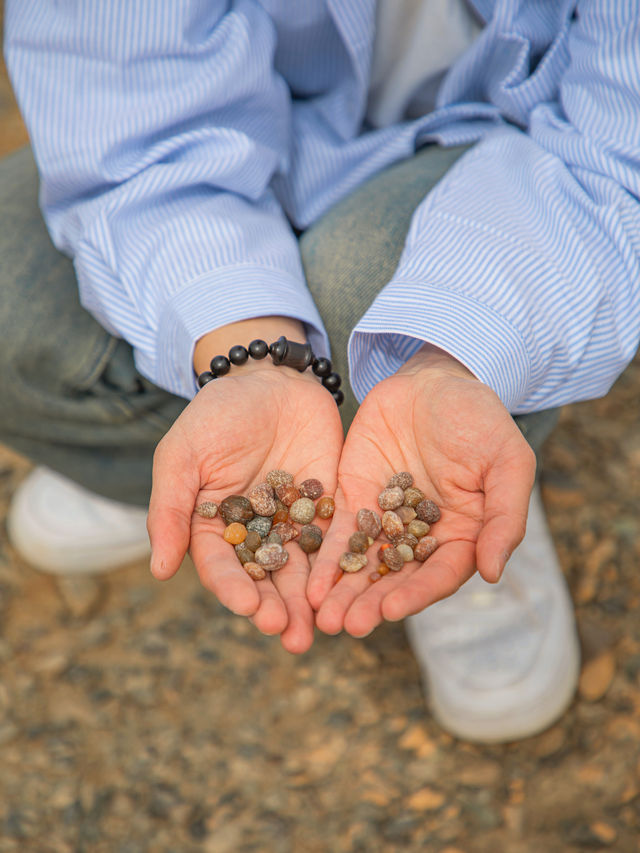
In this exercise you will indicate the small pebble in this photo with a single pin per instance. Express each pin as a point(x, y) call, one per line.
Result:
point(413, 496)
point(274, 539)
point(418, 528)
point(277, 477)
point(382, 549)
point(325, 507)
point(369, 522)
point(425, 547)
point(406, 539)
point(244, 554)
point(287, 494)
point(311, 488)
point(374, 576)
point(427, 511)
point(359, 542)
point(281, 515)
point(393, 559)
point(391, 498)
point(253, 540)
point(383, 569)
point(310, 538)
point(235, 508)
point(350, 562)
point(406, 513)
point(272, 557)
point(261, 524)
point(262, 499)
point(392, 525)
point(403, 479)
point(235, 533)
point(285, 530)
point(405, 552)
point(255, 571)
point(302, 511)
point(207, 509)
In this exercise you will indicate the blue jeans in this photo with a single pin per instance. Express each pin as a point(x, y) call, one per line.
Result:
point(72, 398)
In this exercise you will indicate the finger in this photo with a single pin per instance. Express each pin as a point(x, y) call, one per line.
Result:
point(173, 494)
point(325, 569)
point(365, 613)
point(507, 492)
point(331, 614)
point(271, 616)
point(220, 571)
point(291, 582)
point(440, 576)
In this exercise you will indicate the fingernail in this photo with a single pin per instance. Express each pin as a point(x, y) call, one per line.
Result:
point(502, 562)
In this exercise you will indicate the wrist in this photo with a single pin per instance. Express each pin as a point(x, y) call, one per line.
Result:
point(432, 358)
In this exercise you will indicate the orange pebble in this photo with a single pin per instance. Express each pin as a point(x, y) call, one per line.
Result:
point(382, 569)
point(235, 533)
point(280, 516)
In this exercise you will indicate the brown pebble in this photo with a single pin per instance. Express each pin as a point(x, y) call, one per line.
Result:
point(383, 569)
point(235, 508)
point(406, 513)
point(393, 559)
point(382, 549)
point(207, 509)
point(325, 507)
point(288, 494)
point(425, 548)
point(272, 557)
point(311, 488)
point(374, 576)
point(418, 528)
point(392, 525)
point(285, 530)
point(406, 539)
point(359, 542)
point(369, 522)
point(403, 479)
point(244, 554)
point(302, 511)
point(413, 496)
point(253, 540)
point(281, 515)
point(310, 538)
point(405, 551)
point(273, 539)
point(391, 498)
point(350, 562)
point(235, 533)
point(255, 571)
point(277, 477)
point(427, 511)
point(262, 499)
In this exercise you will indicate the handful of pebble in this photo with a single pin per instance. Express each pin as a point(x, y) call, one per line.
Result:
point(273, 513)
point(277, 511)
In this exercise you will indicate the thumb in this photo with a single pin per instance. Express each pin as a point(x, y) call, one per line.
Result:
point(173, 496)
point(507, 490)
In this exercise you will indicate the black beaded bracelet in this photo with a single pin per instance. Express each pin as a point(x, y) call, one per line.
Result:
point(282, 352)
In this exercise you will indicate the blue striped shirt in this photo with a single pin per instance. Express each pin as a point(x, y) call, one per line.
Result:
point(177, 140)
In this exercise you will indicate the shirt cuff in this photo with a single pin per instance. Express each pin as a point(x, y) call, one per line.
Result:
point(216, 299)
point(393, 330)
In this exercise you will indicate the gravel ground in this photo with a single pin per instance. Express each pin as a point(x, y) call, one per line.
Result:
point(137, 716)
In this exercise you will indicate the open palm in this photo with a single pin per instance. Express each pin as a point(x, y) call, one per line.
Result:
point(226, 440)
point(466, 453)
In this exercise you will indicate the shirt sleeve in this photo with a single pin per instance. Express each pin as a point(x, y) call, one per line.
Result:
point(524, 261)
point(157, 129)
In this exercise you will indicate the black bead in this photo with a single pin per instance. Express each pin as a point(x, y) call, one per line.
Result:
point(238, 354)
point(220, 365)
point(338, 396)
point(321, 367)
point(204, 378)
point(332, 381)
point(278, 349)
point(258, 349)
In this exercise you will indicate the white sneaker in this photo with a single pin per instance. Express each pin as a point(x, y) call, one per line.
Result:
point(58, 526)
point(501, 661)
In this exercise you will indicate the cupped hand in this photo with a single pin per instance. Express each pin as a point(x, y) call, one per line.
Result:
point(436, 420)
point(234, 431)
